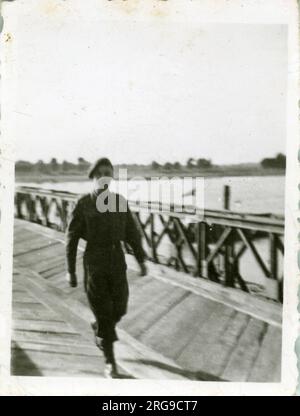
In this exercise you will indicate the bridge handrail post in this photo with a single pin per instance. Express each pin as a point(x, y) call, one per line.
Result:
point(273, 238)
point(201, 240)
point(229, 246)
point(152, 237)
point(273, 257)
point(18, 202)
point(64, 214)
point(229, 255)
point(31, 206)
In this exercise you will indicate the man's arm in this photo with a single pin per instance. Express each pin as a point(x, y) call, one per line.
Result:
point(133, 238)
point(73, 234)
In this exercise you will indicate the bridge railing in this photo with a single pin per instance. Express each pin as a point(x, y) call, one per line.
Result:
point(236, 250)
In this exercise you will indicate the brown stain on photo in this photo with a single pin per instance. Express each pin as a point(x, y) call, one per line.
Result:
point(52, 7)
point(158, 8)
point(128, 6)
point(7, 37)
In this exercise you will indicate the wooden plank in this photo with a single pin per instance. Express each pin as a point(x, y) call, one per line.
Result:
point(268, 362)
point(175, 329)
point(153, 309)
point(34, 314)
point(137, 291)
point(58, 373)
point(59, 280)
point(76, 349)
point(39, 265)
point(46, 264)
point(141, 295)
point(19, 224)
point(153, 313)
point(65, 363)
point(22, 234)
point(25, 305)
point(30, 246)
point(43, 326)
point(53, 271)
point(23, 297)
point(56, 300)
point(223, 345)
point(51, 254)
point(47, 338)
point(245, 351)
point(57, 250)
point(28, 240)
point(196, 356)
point(45, 232)
point(60, 268)
point(15, 281)
point(45, 249)
point(17, 289)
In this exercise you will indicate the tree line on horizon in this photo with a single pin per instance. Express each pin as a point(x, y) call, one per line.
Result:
point(82, 165)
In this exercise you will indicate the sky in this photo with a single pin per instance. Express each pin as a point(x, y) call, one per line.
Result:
point(138, 91)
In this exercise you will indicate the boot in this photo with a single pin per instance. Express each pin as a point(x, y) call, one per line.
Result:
point(110, 370)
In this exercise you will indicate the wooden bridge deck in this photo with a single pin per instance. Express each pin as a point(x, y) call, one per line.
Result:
point(177, 327)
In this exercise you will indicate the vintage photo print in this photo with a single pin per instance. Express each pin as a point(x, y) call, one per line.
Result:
point(149, 196)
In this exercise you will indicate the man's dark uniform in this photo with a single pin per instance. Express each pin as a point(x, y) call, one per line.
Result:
point(104, 261)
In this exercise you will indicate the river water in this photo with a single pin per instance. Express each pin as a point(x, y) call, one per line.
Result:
point(252, 194)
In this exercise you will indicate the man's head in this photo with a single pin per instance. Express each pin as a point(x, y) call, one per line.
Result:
point(101, 172)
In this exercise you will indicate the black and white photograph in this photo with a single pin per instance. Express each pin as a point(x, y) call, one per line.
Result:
point(149, 156)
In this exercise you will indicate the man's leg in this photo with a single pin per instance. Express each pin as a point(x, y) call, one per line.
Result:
point(105, 335)
point(118, 288)
point(101, 304)
point(119, 295)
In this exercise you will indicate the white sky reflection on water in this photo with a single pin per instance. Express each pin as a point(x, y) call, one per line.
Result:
point(257, 194)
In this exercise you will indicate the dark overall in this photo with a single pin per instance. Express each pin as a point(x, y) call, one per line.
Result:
point(104, 261)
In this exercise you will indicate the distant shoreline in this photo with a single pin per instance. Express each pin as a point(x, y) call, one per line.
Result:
point(148, 174)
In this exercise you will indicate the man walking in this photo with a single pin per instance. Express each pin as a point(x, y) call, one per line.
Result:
point(104, 219)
